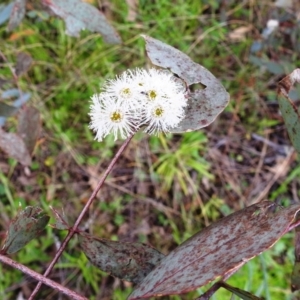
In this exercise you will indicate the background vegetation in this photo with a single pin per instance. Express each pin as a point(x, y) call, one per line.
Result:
point(165, 188)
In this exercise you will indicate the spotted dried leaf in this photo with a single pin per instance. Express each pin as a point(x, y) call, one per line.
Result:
point(27, 225)
point(127, 261)
point(218, 250)
point(204, 105)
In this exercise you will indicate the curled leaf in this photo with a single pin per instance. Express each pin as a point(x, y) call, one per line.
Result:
point(218, 250)
point(27, 225)
point(127, 261)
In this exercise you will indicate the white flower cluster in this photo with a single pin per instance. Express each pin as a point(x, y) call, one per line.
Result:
point(153, 99)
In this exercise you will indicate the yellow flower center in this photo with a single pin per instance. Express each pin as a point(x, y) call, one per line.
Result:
point(152, 95)
point(158, 112)
point(116, 117)
point(126, 92)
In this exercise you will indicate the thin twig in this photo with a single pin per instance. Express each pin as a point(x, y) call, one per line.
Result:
point(210, 291)
point(41, 278)
point(80, 217)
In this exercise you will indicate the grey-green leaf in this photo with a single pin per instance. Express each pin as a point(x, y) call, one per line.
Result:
point(204, 105)
point(218, 250)
point(79, 15)
point(289, 111)
point(17, 14)
point(27, 225)
point(127, 261)
point(7, 110)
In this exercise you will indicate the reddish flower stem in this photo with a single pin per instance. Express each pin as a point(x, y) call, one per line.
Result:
point(41, 278)
point(80, 217)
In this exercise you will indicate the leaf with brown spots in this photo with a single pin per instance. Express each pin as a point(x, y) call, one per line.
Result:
point(218, 250)
point(290, 112)
point(27, 225)
point(127, 261)
point(204, 105)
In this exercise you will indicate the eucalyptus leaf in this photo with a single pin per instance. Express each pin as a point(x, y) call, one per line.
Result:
point(127, 261)
point(218, 250)
point(17, 14)
point(204, 105)
point(80, 15)
point(289, 111)
point(7, 110)
point(27, 225)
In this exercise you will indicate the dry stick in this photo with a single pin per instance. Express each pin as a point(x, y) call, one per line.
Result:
point(41, 278)
point(80, 217)
point(210, 291)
